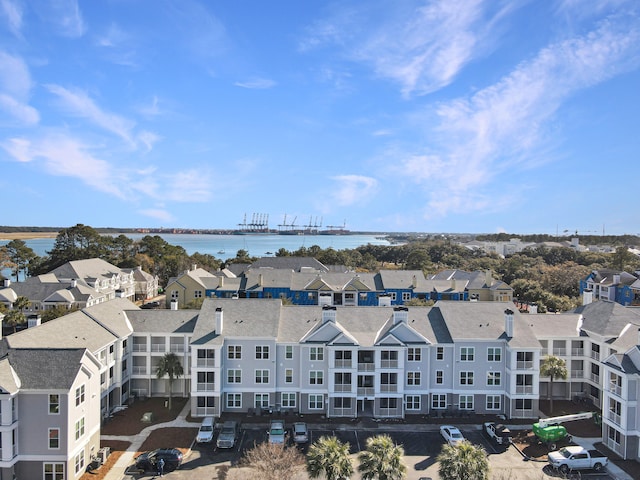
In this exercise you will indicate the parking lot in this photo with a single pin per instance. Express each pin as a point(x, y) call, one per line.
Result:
point(421, 449)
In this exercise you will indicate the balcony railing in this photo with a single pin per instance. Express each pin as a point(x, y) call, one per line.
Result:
point(560, 352)
point(341, 387)
point(139, 347)
point(343, 364)
point(524, 364)
point(595, 378)
point(205, 387)
point(388, 387)
point(366, 391)
point(615, 446)
point(205, 362)
point(366, 367)
point(614, 417)
point(577, 352)
point(524, 389)
point(615, 389)
point(389, 363)
point(139, 369)
point(595, 355)
point(204, 411)
point(176, 348)
point(577, 373)
point(158, 347)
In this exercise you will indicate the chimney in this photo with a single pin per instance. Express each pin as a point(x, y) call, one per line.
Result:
point(219, 320)
point(487, 278)
point(453, 284)
point(119, 293)
point(384, 300)
point(508, 323)
point(533, 309)
point(260, 279)
point(324, 299)
point(587, 297)
point(194, 266)
point(221, 281)
point(6, 282)
point(329, 314)
point(33, 321)
point(616, 278)
point(400, 314)
point(174, 304)
point(74, 283)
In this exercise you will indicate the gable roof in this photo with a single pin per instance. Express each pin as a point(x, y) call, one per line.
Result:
point(297, 264)
point(607, 319)
point(46, 368)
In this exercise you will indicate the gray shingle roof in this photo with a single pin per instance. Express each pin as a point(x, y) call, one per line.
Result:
point(607, 319)
point(47, 368)
point(162, 321)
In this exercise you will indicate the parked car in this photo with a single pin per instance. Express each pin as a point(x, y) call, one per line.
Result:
point(277, 432)
point(147, 461)
point(577, 458)
point(451, 434)
point(228, 434)
point(300, 432)
point(205, 432)
point(150, 305)
point(498, 433)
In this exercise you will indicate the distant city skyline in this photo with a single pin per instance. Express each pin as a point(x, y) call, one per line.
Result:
point(468, 116)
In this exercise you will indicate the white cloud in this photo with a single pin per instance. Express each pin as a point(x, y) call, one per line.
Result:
point(158, 214)
point(15, 78)
point(13, 13)
point(256, 83)
point(353, 189)
point(503, 126)
point(66, 17)
point(25, 114)
point(187, 186)
point(78, 103)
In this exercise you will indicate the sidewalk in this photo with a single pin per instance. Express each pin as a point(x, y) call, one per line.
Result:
point(118, 471)
point(612, 468)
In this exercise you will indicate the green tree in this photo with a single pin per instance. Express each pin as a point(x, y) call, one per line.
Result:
point(18, 256)
point(329, 457)
point(57, 311)
point(382, 459)
point(170, 366)
point(76, 243)
point(464, 461)
point(15, 318)
point(553, 367)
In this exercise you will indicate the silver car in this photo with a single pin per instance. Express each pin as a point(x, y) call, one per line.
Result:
point(300, 432)
point(277, 433)
point(228, 434)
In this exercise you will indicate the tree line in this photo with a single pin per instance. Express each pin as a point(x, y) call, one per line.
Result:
point(546, 276)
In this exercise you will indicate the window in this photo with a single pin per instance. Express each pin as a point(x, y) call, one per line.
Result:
point(465, 402)
point(54, 471)
point(288, 375)
point(261, 400)
point(234, 375)
point(406, 296)
point(262, 376)
point(54, 403)
point(524, 404)
point(439, 401)
point(54, 438)
point(288, 352)
point(79, 428)
point(413, 378)
point(414, 354)
point(234, 352)
point(439, 377)
point(393, 296)
point(288, 400)
point(493, 402)
point(466, 378)
point(316, 353)
point(388, 402)
point(467, 354)
point(206, 402)
point(413, 402)
point(262, 352)
point(494, 354)
point(79, 395)
point(316, 402)
point(174, 294)
point(316, 377)
point(79, 462)
point(342, 402)
point(206, 377)
point(493, 378)
point(439, 353)
point(234, 400)
point(197, 294)
point(389, 355)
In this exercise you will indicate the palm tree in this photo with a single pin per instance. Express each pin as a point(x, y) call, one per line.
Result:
point(169, 365)
point(463, 461)
point(16, 316)
point(382, 459)
point(329, 456)
point(553, 367)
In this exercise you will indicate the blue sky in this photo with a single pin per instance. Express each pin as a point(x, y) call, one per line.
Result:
point(433, 116)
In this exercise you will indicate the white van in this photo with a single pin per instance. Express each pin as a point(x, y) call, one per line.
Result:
point(205, 432)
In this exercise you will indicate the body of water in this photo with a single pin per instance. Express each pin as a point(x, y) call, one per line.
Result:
point(226, 246)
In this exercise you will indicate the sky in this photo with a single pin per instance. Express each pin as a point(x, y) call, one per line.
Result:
point(474, 116)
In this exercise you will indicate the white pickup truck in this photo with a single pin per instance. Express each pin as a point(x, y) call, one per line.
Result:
point(577, 458)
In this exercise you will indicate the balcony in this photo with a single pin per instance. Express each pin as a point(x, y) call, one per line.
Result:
point(366, 367)
point(343, 363)
point(366, 391)
point(595, 378)
point(177, 348)
point(388, 387)
point(614, 417)
point(577, 373)
point(158, 347)
point(388, 363)
point(205, 387)
point(560, 352)
point(577, 352)
point(615, 446)
point(342, 387)
point(524, 389)
point(595, 355)
point(615, 389)
point(139, 369)
point(205, 363)
point(139, 347)
point(524, 364)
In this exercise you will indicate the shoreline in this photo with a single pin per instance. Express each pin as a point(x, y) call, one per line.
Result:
point(26, 235)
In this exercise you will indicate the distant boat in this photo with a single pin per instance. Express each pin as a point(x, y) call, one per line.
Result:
point(221, 252)
point(268, 253)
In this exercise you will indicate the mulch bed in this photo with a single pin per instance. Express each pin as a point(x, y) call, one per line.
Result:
point(117, 449)
point(129, 421)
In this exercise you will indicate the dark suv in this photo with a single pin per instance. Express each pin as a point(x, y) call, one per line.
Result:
point(147, 461)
